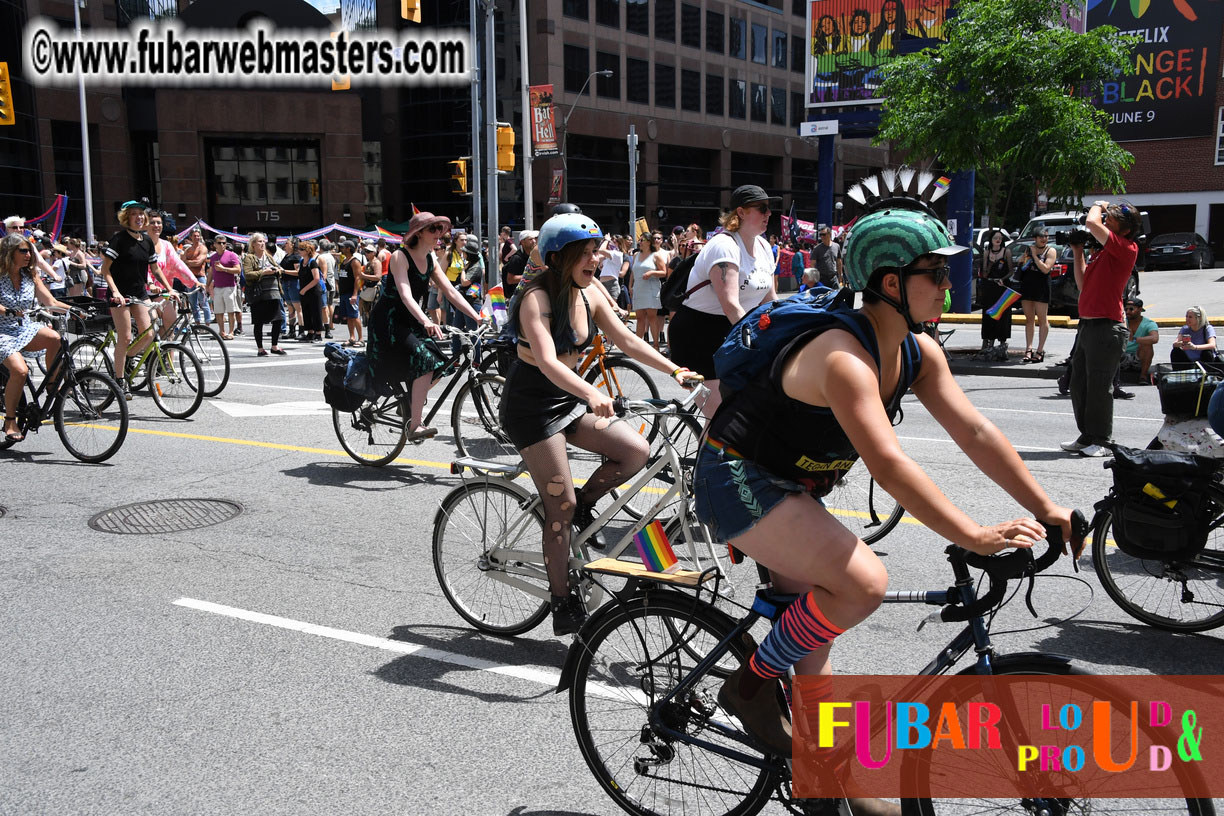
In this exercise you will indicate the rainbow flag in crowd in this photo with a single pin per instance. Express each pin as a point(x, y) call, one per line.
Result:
point(386, 233)
point(1009, 298)
point(942, 182)
point(495, 305)
point(655, 550)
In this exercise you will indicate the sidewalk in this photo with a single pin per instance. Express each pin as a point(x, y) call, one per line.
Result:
point(967, 341)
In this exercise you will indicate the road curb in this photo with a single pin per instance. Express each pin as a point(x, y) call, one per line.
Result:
point(1064, 322)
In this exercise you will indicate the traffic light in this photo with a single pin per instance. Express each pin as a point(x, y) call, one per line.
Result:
point(410, 10)
point(459, 176)
point(505, 147)
point(8, 114)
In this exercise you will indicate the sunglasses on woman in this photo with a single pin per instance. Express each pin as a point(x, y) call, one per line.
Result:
point(939, 273)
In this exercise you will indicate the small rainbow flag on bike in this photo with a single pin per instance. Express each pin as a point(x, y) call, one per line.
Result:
point(655, 550)
point(942, 182)
point(1009, 298)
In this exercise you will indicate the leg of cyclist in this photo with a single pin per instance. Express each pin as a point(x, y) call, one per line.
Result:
point(548, 464)
point(624, 453)
point(18, 371)
point(420, 392)
point(47, 340)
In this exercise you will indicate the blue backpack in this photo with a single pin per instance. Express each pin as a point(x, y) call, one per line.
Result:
point(756, 340)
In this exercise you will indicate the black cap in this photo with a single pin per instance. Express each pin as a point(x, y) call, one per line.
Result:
point(1136, 302)
point(752, 194)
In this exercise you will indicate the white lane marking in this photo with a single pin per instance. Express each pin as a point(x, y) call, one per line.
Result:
point(270, 363)
point(545, 678)
point(950, 442)
point(243, 409)
point(316, 390)
point(1065, 414)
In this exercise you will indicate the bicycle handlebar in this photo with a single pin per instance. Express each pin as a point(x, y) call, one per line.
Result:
point(1004, 567)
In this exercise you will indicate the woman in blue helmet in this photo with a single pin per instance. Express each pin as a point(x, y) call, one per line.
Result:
point(546, 404)
point(778, 444)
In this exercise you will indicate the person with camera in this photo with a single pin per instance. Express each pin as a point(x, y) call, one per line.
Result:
point(1102, 328)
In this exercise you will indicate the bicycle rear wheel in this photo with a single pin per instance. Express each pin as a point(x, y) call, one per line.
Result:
point(87, 352)
point(175, 380)
point(91, 417)
point(375, 433)
point(1181, 596)
point(479, 532)
point(635, 653)
point(1031, 665)
point(862, 505)
point(206, 344)
point(475, 424)
point(620, 377)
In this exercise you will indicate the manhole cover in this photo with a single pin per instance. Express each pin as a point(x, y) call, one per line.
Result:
point(164, 516)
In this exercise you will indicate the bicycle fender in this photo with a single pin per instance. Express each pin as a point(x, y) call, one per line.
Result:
point(1053, 660)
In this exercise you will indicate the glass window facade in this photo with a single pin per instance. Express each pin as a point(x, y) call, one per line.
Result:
point(777, 106)
point(665, 20)
point(737, 104)
point(690, 90)
point(607, 12)
point(262, 173)
point(759, 103)
point(690, 25)
point(608, 87)
point(578, 9)
point(637, 17)
point(779, 49)
point(714, 32)
point(637, 80)
point(760, 44)
point(739, 39)
point(577, 68)
point(798, 111)
point(665, 85)
point(714, 90)
point(797, 54)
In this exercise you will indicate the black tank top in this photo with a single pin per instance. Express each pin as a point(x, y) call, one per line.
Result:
point(418, 281)
point(792, 439)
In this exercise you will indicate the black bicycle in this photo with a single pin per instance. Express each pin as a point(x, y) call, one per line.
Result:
point(643, 676)
point(89, 411)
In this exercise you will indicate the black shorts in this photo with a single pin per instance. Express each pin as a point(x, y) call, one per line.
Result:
point(694, 337)
point(533, 408)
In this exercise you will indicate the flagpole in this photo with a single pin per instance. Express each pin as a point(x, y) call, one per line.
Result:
point(89, 214)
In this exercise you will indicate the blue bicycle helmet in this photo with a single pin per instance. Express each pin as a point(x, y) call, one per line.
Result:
point(564, 229)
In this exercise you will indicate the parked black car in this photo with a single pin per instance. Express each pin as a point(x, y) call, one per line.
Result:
point(1180, 250)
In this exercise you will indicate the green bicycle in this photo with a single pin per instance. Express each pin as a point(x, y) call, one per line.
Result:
point(170, 371)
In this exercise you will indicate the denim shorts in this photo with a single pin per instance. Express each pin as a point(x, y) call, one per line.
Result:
point(732, 493)
point(290, 286)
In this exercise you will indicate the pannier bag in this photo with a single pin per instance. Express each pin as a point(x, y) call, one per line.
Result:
point(337, 381)
point(1161, 508)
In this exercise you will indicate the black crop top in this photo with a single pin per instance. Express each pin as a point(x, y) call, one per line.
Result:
point(565, 348)
point(793, 439)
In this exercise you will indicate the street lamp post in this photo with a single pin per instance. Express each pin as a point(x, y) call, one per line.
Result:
point(607, 72)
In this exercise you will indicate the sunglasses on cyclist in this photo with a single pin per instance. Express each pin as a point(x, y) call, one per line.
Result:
point(940, 273)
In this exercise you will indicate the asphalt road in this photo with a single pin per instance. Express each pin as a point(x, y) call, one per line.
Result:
point(300, 658)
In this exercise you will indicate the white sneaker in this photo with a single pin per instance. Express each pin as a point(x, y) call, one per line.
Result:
point(1074, 446)
point(1095, 451)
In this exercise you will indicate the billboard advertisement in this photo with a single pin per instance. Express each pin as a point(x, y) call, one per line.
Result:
point(543, 127)
point(1171, 93)
point(850, 40)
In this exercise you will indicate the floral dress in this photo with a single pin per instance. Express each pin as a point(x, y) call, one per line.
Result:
point(16, 332)
point(399, 348)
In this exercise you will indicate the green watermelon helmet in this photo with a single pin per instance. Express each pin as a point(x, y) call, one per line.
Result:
point(895, 237)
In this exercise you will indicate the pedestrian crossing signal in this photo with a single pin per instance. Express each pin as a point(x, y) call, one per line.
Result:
point(8, 114)
point(459, 176)
point(505, 147)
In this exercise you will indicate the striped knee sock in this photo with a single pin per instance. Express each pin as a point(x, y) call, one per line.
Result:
point(801, 630)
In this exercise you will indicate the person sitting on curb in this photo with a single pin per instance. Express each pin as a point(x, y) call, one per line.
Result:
point(1143, 335)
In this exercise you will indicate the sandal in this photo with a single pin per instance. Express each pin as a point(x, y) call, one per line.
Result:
point(1038, 356)
point(1028, 356)
point(13, 437)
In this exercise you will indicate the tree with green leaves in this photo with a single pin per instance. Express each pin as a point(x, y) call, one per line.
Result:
point(1009, 95)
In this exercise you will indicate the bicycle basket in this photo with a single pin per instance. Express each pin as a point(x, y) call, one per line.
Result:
point(1185, 392)
point(97, 314)
point(1160, 506)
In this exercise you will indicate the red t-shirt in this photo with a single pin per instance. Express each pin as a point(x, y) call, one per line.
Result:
point(1105, 279)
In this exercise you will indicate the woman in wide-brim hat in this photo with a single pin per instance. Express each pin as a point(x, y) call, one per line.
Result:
point(403, 339)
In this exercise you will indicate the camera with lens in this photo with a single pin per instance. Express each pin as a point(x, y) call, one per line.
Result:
point(1078, 235)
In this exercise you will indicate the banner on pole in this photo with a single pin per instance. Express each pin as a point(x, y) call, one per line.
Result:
point(554, 195)
point(543, 125)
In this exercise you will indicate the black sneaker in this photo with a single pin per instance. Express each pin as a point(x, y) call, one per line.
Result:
point(568, 614)
point(1118, 393)
point(238, 330)
point(584, 517)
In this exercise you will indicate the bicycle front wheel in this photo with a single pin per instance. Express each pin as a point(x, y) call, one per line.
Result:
point(175, 380)
point(635, 654)
point(87, 352)
point(91, 417)
point(684, 432)
point(487, 555)
point(862, 506)
point(475, 424)
point(205, 343)
point(618, 377)
point(1181, 596)
point(375, 433)
point(1021, 665)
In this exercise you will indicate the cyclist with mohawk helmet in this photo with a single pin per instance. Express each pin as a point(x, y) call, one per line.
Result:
point(829, 397)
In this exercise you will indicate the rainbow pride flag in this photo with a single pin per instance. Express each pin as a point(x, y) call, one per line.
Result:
point(386, 233)
point(942, 182)
point(1009, 298)
point(655, 549)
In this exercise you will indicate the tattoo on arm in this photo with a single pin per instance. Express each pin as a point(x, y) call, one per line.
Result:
point(724, 269)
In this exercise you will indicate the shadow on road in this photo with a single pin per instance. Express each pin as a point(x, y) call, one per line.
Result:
point(360, 477)
point(485, 652)
point(1134, 645)
point(523, 811)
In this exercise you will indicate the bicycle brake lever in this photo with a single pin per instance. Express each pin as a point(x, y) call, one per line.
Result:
point(934, 616)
